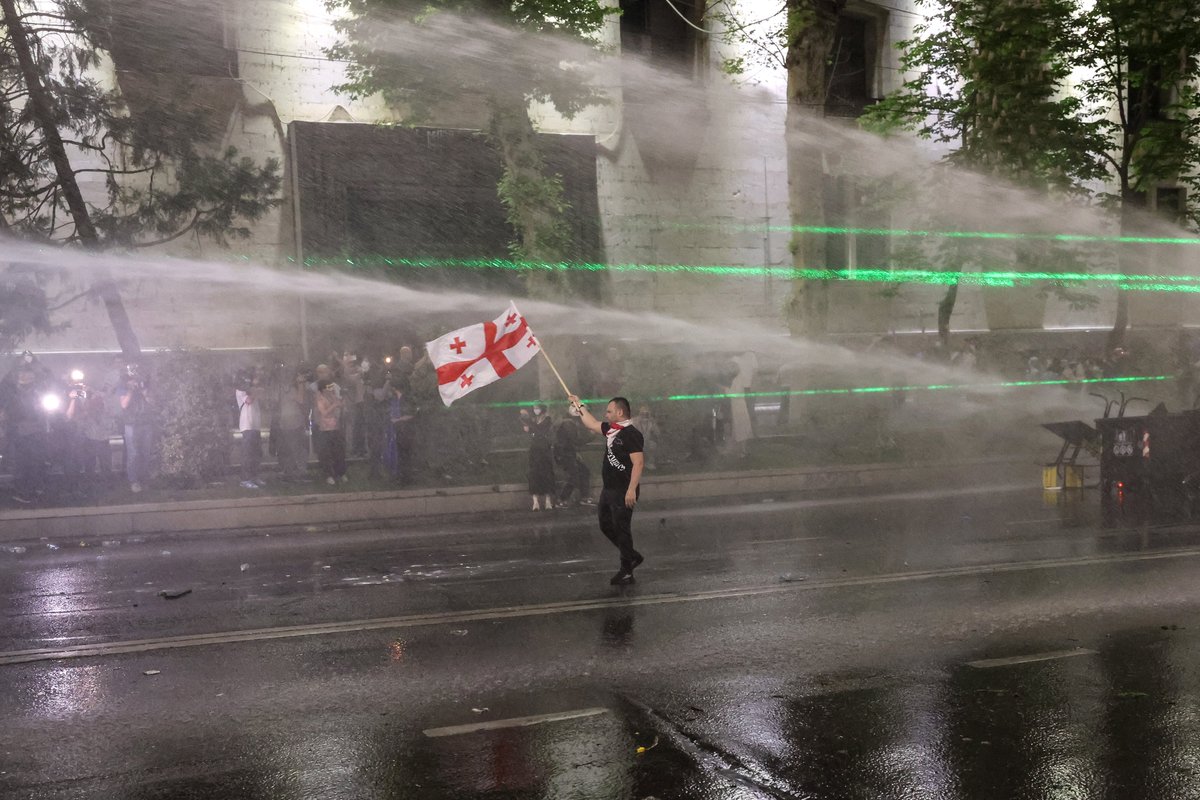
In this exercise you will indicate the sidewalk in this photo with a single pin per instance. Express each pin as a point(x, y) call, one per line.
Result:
point(396, 506)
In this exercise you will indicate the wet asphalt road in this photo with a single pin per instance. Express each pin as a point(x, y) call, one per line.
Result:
point(941, 644)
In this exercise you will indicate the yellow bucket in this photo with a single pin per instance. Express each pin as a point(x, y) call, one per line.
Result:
point(1071, 477)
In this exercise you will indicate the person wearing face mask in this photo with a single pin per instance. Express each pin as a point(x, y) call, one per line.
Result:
point(540, 429)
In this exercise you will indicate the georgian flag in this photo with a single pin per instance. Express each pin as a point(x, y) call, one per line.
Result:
point(480, 354)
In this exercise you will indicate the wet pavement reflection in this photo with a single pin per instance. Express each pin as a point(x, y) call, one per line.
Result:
point(895, 656)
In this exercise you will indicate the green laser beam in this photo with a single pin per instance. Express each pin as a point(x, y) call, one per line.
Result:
point(864, 390)
point(988, 278)
point(1001, 235)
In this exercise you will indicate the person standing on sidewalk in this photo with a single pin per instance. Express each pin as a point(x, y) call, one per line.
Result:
point(249, 396)
point(621, 474)
point(540, 429)
point(133, 395)
point(331, 439)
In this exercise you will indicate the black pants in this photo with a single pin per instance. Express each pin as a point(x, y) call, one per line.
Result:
point(331, 452)
point(251, 454)
point(616, 520)
point(578, 479)
point(291, 451)
point(29, 463)
point(85, 456)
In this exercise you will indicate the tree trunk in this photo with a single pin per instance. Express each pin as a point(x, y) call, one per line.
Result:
point(814, 28)
point(533, 200)
point(43, 112)
point(1131, 204)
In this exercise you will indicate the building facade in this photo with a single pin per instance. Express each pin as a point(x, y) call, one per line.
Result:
point(685, 165)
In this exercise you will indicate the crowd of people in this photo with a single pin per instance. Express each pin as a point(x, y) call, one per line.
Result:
point(352, 406)
point(65, 423)
point(81, 428)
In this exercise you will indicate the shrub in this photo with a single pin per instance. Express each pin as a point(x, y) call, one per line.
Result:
point(192, 401)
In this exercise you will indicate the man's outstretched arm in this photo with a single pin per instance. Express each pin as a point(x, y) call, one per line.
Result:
point(585, 416)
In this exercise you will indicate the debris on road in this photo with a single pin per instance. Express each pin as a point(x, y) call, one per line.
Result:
point(172, 594)
point(653, 745)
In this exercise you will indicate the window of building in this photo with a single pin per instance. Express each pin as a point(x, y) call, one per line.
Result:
point(657, 31)
point(193, 39)
point(848, 205)
point(852, 66)
point(1171, 202)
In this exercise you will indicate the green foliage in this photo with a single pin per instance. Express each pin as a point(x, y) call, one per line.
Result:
point(162, 182)
point(764, 39)
point(1056, 94)
point(191, 401)
point(988, 78)
point(24, 307)
point(534, 203)
point(212, 196)
point(1059, 95)
point(420, 54)
point(1141, 60)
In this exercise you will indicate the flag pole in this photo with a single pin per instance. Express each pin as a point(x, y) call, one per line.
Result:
point(555, 369)
point(542, 350)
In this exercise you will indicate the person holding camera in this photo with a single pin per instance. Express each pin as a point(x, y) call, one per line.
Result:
point(396, 447)
point(88, 449)
point(330, 438)
point(249, 396)
point(133, 395)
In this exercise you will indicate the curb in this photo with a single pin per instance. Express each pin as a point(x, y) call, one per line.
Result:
point(261, 512)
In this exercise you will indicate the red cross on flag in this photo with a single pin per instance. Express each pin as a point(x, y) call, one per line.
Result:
point(480, 354)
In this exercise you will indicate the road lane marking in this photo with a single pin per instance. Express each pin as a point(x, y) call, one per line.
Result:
point(989, 663)
point(513, 722)
point(570, 606)
point(824, 502)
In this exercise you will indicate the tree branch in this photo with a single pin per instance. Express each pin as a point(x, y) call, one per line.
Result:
point(195, 221)
point(66, 303)
point(115, 171)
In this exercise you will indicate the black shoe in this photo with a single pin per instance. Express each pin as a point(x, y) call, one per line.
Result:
point(622, 578)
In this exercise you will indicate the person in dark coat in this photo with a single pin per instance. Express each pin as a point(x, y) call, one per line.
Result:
point(540, 429)
point(576, 475)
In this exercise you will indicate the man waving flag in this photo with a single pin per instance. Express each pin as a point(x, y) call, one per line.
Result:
point(480, 354)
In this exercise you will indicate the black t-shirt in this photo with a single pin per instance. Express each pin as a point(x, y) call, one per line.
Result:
point(618, 444)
